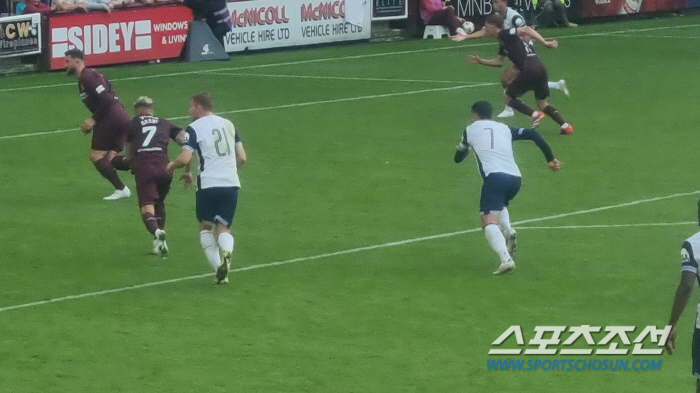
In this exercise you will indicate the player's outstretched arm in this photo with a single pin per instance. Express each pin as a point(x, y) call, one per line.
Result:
point(476, 34)
point(532, 135)
point(527, 31)
point(495, 62)
point(685, 287)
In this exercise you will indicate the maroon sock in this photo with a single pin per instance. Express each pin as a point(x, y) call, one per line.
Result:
point(120, 163)
point(520, 106)
point(106, 169)
point(160, 214)
point(554, 114)
point(149, 220)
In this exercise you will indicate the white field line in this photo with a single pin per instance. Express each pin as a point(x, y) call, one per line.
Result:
point(300, 104)
point(609, 226)
point(337, 253)
point(364, 56)
point(656, 36)
point(342, 78)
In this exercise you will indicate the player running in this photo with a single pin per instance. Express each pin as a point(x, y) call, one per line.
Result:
point(492, 143)
point(147, 151)
point(532, 75)
point(109, 122)
point(220, 153)
point(511, 18)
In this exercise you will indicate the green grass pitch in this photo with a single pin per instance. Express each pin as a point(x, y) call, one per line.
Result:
point(349, 159)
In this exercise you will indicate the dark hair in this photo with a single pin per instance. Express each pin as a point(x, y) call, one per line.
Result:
point(495, 19)
point(75, 53)
point(483, 109)
point(204, 100)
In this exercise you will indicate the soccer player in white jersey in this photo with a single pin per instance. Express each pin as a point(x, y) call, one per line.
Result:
point(690, 258)
point(492, 145)
point(511, 19)
point(221, 153)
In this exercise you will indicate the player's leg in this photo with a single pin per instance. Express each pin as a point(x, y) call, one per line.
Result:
point(492, 201)
point(227, 202)
point(565, 128)
point(560, 85)
point(506, 79)
point(147, 193)
point(163, 188)
point(513, 186)
point(205, 216)
point(101, 159)
point(521, 85)
point(695, 346)
point(104, 147)
point(541, 90)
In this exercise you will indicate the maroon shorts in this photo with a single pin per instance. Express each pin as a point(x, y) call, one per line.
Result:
point(110, 133)
point(531, 77)
point(152, 183)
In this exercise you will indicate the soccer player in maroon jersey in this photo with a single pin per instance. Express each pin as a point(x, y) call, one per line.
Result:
point(147, 152)
point(109, 122)
point(533, 74)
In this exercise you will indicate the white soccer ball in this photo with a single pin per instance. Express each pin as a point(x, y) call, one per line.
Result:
point(468, 27)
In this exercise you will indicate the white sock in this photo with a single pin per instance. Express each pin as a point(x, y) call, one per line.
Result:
point(504, 222)
point(497, 241)
point(554, 85)
point(564, 125)
point(210, 248)
point(226, 242)
point(461, 31)
point(534, 113)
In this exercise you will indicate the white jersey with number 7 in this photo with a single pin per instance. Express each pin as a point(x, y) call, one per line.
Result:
point(492, 143)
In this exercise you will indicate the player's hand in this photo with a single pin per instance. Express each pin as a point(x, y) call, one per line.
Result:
point(551, 44)
point(87, 125)
point(671, 341)
point(169, 168)
point(187, 178)
point(474, 59)
point(554, 165)
point(459, 37)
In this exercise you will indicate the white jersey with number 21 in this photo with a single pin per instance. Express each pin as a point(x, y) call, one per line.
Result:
point(214, 139)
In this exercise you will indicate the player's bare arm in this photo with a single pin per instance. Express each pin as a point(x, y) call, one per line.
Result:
point(87, 125)
point(181, 137)
point(476, 34)
point(527, 33)
point(240, 156)
point(685, 287)
point(495, 62)
point(184, 158)
point(130, 151)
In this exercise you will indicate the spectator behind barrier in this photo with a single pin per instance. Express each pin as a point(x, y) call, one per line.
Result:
point(434, 12)
point(20, 7)
point(553, 14)
point(216, 14)
point(70, 5)
point(36, 6)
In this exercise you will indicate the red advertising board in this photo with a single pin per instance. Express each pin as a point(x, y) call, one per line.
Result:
point(140, 34)
point(593, 8)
